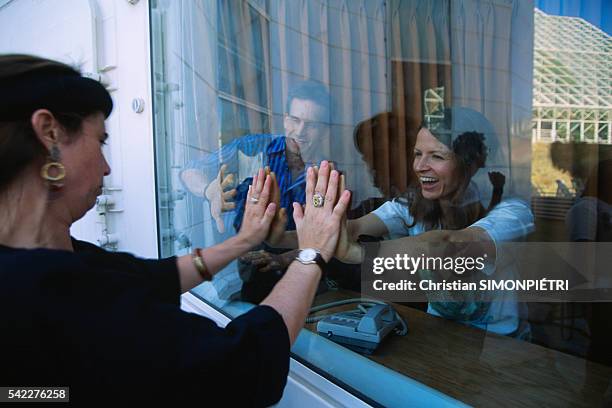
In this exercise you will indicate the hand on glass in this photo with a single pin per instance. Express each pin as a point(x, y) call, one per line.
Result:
point(347, 250)
point(268, 262)
point(279, 224)
point(218, 196)
point(259, 211)
point(319, 227)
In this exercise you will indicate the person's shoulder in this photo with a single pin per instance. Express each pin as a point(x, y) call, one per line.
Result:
point(471, 194)
point(511, 209)
point(263, 138)
point(86, 250)
point(510, 204)
point(252, 143)
point(511, 219)
point(25, 269)
point(395, 206)
point(125, 262)
point(587, 203)
point(42, 256)
point(472, 186)
point(276, 144)
point(395, 214)
point(86, 247)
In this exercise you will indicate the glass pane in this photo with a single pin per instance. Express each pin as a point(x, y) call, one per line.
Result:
point(242, 33)
point(484, 124)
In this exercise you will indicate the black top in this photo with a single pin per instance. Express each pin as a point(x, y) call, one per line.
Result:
point(109, 326)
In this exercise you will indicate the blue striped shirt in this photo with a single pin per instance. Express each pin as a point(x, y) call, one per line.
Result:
point(290, 190)
point(271, 148)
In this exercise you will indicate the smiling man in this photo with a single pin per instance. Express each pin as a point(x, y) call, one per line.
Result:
point(305, 141)
point(212, 177)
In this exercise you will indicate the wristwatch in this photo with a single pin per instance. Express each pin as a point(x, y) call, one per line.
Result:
point(309, 256)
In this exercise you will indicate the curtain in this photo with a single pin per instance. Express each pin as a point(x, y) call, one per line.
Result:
point(492, 71)
point(342, 44)
point(420, 63)
point(243, 49)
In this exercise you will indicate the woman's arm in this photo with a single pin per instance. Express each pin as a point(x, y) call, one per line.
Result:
point(288, 239)
point(471, 241)
point(257, 220)
point(318, 228)
point(369, 224)
point(215, 258)
point(348, 250)
point(510, 220)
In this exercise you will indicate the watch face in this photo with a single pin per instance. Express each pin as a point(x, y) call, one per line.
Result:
point(308, 254)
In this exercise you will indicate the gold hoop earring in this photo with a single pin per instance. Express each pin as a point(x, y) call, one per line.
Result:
point(54, 164)
point(59, 167)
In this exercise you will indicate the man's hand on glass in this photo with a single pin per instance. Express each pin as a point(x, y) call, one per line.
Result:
point(266, 262)
point(219, 193)
point(279, 225)
point(347, 250)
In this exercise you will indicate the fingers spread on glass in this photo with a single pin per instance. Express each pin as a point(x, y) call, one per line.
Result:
point(221, 175)
point(258, 183)
point(279, 225)
point(318, 225)
point(343, 194)
point(332, 190)
point(322, 177)
point(311, 180)
point(229, 194)
point(225, 181)
point(320, 190)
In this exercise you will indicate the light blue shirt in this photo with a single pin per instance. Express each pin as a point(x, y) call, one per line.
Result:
point(510, 220)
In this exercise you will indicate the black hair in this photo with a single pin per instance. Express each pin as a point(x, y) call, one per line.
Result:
point(28, 83)
point(312, 91)
point(470, 147)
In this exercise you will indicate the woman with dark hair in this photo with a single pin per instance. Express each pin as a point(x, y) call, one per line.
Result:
point(381, 141)
point(109, 325)
point(442, 208)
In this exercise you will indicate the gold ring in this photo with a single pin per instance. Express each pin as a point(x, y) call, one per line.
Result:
point(318, 200)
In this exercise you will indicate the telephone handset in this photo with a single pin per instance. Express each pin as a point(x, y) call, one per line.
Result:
point(363, 329)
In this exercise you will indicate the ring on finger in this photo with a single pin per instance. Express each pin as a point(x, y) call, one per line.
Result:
point(254, 199)
point(318, 200)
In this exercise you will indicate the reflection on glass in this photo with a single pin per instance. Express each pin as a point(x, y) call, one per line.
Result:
point(519, 101)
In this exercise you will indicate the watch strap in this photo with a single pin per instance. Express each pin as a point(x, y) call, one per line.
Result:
point(318, 259)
